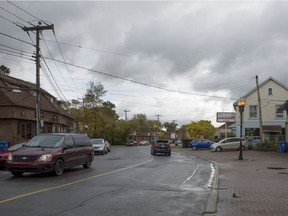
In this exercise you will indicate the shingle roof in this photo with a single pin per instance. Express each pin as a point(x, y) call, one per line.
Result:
point(16, 92)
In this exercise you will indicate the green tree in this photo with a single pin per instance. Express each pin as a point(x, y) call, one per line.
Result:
point(93, 95)
point(4, 70)
point(202, 128)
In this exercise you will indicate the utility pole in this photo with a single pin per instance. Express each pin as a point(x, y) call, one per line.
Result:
point(260, 113)
point(126, 114)
point(158, 117)
point(38, 29)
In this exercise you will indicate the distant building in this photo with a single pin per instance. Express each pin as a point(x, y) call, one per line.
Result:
point(18, 111)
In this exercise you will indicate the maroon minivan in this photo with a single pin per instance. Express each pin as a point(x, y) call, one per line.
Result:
point(52, 152)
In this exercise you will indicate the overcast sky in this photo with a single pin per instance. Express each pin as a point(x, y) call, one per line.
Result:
point(184, 61)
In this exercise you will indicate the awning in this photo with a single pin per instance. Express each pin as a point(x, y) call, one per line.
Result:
point(272, 128)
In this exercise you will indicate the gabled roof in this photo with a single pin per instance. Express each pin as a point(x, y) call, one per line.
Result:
point(263, 83)
point(16, 92)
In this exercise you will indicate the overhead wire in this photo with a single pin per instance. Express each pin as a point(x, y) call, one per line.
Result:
point(141, 83)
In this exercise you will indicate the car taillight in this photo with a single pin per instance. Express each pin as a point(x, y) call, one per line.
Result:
point(169, 146)
point(155, 145)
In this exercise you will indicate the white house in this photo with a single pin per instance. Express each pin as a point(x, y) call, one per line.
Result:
point(272, 95)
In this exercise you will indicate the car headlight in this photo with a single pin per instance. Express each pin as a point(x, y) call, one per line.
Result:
point(46, 157)
point(9, 157)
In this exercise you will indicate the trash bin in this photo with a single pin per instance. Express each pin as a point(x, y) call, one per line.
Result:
point(3, 145)
point(282, 147)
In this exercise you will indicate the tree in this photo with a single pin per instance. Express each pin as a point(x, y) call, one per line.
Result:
point(93, 95)
point(4, 70)
point(202, 128)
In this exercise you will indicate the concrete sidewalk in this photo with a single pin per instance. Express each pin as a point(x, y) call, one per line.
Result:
point(256, 185)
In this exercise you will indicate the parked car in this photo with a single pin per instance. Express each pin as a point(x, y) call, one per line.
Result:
point(4, 154)
point(231, 143)
point(162, 146)
point(100, 146)
point(132, 143)
point(51, 153)
point(108, 146)
point(144, 143)
point(200, 143)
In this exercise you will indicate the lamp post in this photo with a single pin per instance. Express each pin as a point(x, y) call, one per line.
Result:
point(241, 104)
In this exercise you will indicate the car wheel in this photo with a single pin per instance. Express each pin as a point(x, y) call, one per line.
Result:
point(169, 154)
point(59, 167)
point(88, 162)
point(17, 173)
point(219, 149)
point(194, 148)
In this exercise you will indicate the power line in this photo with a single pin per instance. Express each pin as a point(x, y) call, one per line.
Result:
point(27, 13)
point(16, 39)
point(141, 83)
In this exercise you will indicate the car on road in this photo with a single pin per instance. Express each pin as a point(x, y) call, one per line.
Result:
point(200, 143)
point(162, 146)
point(108, 146)
point(52, 152)
point(131, 143)
point(144, 143)
point(4, 154)
point(231, 143)
point(100, 146)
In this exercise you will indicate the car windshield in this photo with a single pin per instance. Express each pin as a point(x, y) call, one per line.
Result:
point(97, 141)
point(51, 141)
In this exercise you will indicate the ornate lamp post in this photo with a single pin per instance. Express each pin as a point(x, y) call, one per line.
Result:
point(241, 104)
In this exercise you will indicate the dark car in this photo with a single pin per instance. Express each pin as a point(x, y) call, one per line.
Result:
point(51, 153)
point(200, 143)
point(4, 154)
point(161, 146)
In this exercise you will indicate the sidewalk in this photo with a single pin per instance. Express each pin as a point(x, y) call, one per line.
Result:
point(256, 185)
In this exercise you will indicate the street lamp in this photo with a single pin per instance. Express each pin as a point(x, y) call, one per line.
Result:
point(241, 104)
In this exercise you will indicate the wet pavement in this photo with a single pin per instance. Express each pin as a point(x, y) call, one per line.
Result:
point(254, 186)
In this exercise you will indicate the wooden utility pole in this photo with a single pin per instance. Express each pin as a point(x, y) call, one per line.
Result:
point(126, 114)
point(38, 29)
point(260, 113)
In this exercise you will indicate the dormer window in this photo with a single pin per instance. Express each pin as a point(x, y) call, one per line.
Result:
point(16, 89)
point(270, 91)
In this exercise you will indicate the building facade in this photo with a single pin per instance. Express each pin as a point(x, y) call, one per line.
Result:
point(18, 111)
point(272, 95)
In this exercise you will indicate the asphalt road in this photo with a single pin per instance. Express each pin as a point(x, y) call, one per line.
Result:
point(127, 181)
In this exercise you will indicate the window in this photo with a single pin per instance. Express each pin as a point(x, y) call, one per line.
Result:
point(270, 91)
point(278, 114)
point(253, 111)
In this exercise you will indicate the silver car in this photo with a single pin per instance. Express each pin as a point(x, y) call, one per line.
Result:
point(100, 146)
point(231, 143)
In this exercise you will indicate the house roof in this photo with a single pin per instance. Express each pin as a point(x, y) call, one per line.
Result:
point(16, 92)
point(261, 84)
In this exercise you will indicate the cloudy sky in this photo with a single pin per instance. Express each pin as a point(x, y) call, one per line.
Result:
point(180, 60)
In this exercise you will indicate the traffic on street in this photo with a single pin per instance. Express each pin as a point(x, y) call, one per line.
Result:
point(127, 181)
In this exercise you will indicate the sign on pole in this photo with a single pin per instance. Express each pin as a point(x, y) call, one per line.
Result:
point(226, 116)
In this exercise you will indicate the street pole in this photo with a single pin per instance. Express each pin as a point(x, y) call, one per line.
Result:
point(241, 104)
point(241, 126)
point(38, 29)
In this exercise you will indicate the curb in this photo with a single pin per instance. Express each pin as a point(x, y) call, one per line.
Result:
point(211, 205)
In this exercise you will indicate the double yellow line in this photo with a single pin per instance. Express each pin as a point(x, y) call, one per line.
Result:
point(71, 183)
